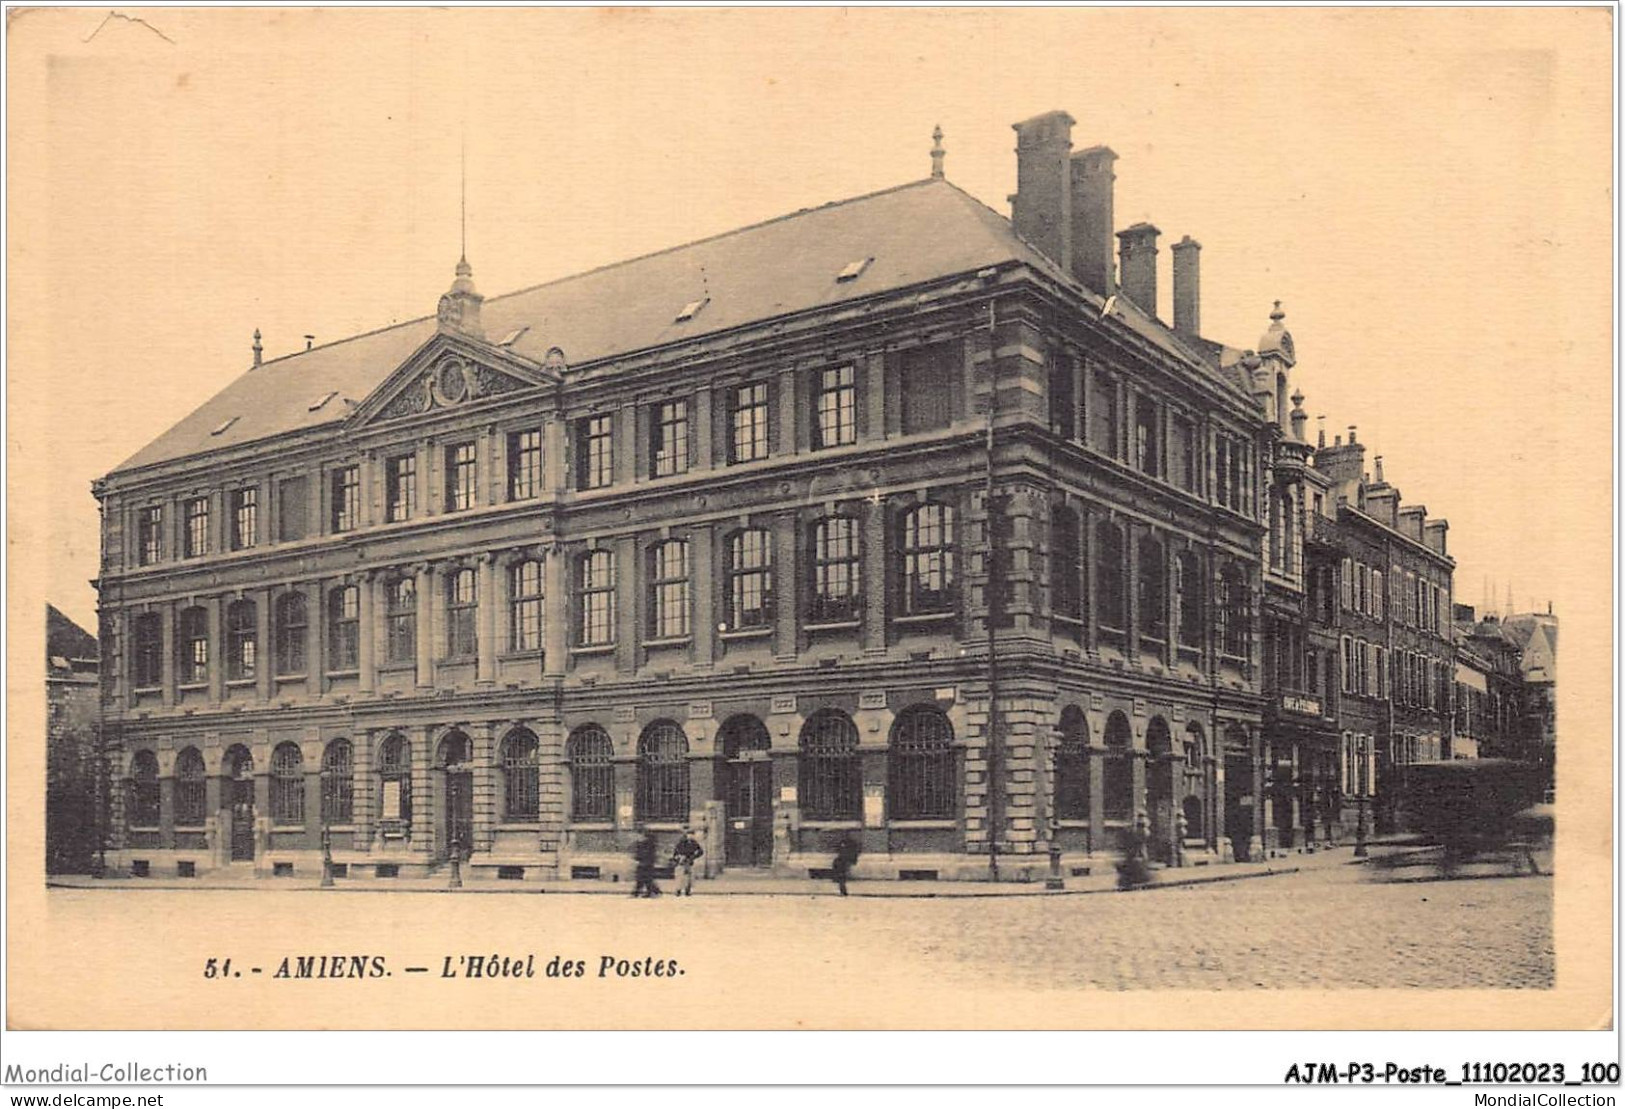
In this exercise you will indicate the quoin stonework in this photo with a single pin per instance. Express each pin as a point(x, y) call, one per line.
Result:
point(894, 519)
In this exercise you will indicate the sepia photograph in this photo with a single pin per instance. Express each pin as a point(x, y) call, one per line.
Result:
point(968, 519)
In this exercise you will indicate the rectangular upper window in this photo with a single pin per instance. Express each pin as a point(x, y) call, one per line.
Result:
point(293, 510)
point(835, 405)
point(668, 439)
point(196, 538)
point(928, 385)
point(150, 534)
point(1147, 450)
point(462, 464)
point(524, 464)
point(346, 512)
point(401, 487)
point(245, 517)
point(595, 451)
point(1100, 408)
point(747, 423)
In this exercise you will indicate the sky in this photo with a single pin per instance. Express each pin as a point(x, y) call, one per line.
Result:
point(1426, 191)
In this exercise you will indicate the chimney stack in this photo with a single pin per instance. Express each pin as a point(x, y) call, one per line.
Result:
point(1093, 219)
point(1137, 248)
point(310, 341)
point(1188, 287)
point(1041, 207)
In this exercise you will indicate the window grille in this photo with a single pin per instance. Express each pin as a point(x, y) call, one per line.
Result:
point(831, 786)
point(750, 579)
point(338, 783)
point(662, 793)
point(592, 774)
point(595, 587)
point(395, 778)
point(835, 570)
point(928, 560)
point(144, 794)
point(521, 781)
point(1072, 766)
point(922, 766)
point(190, 797)
point(287, 785)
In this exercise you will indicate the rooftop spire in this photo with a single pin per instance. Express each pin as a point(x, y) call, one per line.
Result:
point(937, 153)
point(259, 351)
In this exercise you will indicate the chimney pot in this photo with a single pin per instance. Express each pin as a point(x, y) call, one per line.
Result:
point(1351, 435)
point(310, 340)
point(1137, 247)
point(1379, 469)
point(1187, 286)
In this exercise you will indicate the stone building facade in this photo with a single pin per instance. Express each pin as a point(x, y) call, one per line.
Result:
point(73, 817)
point(892, 519)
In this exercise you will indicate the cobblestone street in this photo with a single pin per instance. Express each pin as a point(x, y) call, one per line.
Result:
point(1330, 927)
point(1325, 929)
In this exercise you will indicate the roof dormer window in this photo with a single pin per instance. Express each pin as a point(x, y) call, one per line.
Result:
point(321, 402)
point(691, 309)
point(221, 430)
point(853, 270)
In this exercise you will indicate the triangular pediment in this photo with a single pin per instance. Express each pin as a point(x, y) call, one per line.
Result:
point(446, 373)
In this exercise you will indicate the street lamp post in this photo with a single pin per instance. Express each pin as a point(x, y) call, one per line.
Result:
point(456, 881)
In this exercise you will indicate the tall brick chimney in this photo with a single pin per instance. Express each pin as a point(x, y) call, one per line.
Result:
point(1092, 219)
point(1137, 248)
point(1041, 207)
point(1188, 287)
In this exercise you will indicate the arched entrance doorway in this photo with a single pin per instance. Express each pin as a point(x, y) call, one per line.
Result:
point(239, 779)
point(747, 791)
point(1239, 800)
point(454, 764)
point(1159, 788)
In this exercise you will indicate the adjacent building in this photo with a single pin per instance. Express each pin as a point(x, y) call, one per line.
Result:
point(73, 820)
point(893, 519)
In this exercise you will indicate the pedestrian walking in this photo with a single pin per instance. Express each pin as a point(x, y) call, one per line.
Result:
point(643, 859)
point(683, 856)
point(840, 867)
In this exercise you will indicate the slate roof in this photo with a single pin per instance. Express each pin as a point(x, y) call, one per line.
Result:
point(915, 233)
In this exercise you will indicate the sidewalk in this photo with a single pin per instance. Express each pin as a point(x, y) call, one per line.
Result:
point(736, 884)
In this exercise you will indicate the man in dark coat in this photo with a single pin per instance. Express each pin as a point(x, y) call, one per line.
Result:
point(840, 867)
point(643, 856)
point(683, 855)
